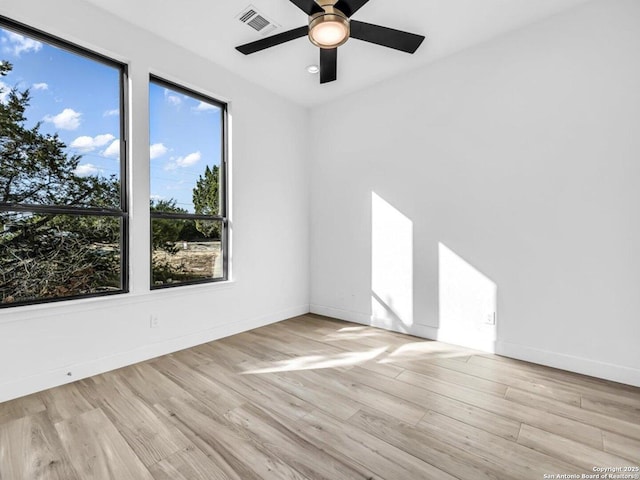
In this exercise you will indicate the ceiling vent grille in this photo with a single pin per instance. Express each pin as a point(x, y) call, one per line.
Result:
point(254, 19)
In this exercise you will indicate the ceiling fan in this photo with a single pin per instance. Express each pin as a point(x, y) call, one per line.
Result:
point(330, 26)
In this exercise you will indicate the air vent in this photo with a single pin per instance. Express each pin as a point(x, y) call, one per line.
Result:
point(253, 18)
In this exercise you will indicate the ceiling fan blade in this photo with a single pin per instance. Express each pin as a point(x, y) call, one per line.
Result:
point(308, 6)
point(328, 64)
point(349, 7)
point(387, 37)
point(283, 37)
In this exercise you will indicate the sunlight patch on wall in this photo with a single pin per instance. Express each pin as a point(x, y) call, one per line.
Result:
point(391, 265)
point(467, 303)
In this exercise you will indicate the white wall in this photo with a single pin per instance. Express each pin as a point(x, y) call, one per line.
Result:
point(514, 166)
point(40, 344)
point(511, 166)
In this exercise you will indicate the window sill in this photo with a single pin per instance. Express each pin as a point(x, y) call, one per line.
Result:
point(80, 305)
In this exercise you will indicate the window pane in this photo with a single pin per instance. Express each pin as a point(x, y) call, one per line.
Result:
point(186, 250)
point(46, 256)
point(59, 126)
point(186, 151)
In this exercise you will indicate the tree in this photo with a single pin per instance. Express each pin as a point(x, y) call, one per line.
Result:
point(166, 265)
point(206, 201)
point(166, 231)
point(35, 169)
point(43, 254)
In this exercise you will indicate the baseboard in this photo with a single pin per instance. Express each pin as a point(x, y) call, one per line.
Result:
point(585, 366)
point(422, 331)
point(35, 383)
point(54, 378)
point(477, 341)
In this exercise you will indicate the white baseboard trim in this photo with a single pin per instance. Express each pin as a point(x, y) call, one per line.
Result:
point(473, 340)
point(585, 366)
point(422, 331)
point(54, 378)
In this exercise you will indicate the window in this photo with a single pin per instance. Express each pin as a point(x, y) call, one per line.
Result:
point(188, 186)
point(63, 219)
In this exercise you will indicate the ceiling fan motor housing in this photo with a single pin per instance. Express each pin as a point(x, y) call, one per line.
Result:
point(330, 26)
point(332, 21)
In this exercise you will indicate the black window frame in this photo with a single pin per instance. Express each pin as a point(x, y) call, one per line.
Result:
point(121, 213)
point(223, 218)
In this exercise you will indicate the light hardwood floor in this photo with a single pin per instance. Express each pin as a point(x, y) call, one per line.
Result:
point(317, 399)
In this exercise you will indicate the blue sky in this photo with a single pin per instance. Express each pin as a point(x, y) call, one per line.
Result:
point(79, 99)
point(185, 135)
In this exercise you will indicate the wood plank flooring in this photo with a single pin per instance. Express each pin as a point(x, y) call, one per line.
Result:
point(313, 398)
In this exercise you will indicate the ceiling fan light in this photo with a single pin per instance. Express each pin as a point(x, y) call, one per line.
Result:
point(329, 30)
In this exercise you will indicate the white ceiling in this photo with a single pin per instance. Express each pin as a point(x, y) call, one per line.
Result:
point(210, 29)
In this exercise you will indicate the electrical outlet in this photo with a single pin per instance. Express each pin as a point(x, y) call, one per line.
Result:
point(154, 322)
point(491, 319)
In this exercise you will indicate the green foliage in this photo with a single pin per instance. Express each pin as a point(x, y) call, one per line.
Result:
point(167, 272)
point(166, 232)
point(168, 237)
point(36, 170)
point(50, 256)
point(44, 255)
point(206, 200)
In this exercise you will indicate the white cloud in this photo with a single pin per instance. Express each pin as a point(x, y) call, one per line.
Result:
point(113, 150)
point(171, 98)
point(182, 162)
point(111, 113)
point(157, 150)
point(87, 144)
point(86, 170)
point(18, 44)
point(189, 160)
point(40, 86)
point(156, 198)
point(68, 119)
point(205, 107)
point(103, 139)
